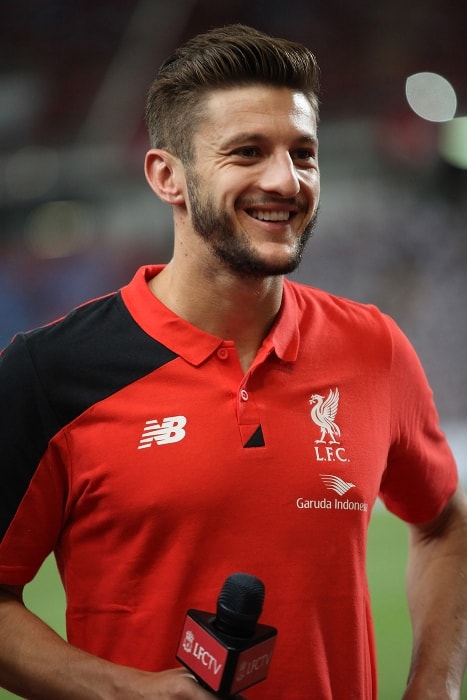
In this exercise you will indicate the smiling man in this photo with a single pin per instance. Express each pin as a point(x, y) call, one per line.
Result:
point(256, 158)
point(244, 207)
point(212, 417)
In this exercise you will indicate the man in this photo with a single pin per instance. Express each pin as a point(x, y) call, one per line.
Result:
point(213, 417)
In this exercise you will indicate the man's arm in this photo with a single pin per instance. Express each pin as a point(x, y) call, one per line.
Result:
point(38, 664)
point(437, 596)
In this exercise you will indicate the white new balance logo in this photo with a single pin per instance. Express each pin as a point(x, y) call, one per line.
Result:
point(171, 430)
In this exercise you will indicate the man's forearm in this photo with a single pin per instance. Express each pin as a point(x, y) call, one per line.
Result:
point(37, 664)
point(437, 596)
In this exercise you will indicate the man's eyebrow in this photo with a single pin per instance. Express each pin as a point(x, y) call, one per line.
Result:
point(243, 137)
point(247, 137)
point(307, 139)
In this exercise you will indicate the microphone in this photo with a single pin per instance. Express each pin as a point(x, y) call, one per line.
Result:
point(229, 651)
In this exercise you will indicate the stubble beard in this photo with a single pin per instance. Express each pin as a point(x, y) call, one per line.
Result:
point(231, 245)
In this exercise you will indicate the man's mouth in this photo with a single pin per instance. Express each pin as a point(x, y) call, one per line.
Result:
point(269, 215)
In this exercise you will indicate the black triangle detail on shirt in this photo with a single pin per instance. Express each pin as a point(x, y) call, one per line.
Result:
point(257, 439)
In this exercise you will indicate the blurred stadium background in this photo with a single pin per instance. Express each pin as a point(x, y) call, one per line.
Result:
point(77, 217)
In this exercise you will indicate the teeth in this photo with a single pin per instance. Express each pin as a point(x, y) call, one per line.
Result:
point(271, 215)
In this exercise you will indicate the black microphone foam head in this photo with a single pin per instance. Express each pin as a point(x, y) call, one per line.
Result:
point(239, 605)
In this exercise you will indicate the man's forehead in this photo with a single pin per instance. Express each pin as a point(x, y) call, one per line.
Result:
point(255, 94)
point(256, 102)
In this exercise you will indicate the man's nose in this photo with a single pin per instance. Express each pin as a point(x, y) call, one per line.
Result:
point(279, 176)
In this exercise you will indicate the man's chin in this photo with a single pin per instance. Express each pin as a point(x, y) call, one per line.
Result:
point(260, 268)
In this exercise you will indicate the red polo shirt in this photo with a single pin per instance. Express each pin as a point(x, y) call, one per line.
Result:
point(137, 450)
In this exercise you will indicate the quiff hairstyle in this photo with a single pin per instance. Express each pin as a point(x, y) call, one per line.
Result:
point(231, 56)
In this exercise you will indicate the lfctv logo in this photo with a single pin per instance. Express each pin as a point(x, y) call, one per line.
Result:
point(172, 429)
point(258, 664)
point(195, 649)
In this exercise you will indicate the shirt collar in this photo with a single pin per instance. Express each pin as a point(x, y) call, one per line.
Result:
point(190, 342)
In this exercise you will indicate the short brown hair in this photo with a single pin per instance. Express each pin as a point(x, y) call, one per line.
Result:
point(226, 57)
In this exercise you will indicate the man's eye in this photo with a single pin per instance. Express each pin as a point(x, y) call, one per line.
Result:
point(303, 154)
point(247, 152)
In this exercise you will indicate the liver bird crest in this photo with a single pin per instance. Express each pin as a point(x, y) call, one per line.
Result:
point(323, 414)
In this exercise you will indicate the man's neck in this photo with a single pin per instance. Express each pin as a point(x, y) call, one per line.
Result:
point(238, 309)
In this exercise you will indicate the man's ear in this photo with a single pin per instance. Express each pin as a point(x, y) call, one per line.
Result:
point(165, 175)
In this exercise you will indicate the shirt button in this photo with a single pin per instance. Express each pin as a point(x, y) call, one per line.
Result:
point(244, 395)
point(222, 353)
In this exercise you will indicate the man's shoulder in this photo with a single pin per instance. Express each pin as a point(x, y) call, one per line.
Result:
point(313, 299)
point(89, 314)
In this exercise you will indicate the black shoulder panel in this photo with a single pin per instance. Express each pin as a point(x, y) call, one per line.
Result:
point(51, 375)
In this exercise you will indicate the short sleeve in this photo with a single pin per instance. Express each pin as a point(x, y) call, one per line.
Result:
point(32, 483)
point(421, 474)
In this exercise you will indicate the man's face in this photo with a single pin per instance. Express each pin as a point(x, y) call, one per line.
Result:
point(253, 188)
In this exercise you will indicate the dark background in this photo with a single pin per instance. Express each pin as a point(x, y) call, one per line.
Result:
point(76, 215)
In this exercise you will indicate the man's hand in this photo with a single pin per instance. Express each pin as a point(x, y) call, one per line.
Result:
point(38, 664)
point(176, 684)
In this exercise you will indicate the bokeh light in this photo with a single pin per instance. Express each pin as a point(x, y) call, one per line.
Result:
point(431, 96)
point(453, 142)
